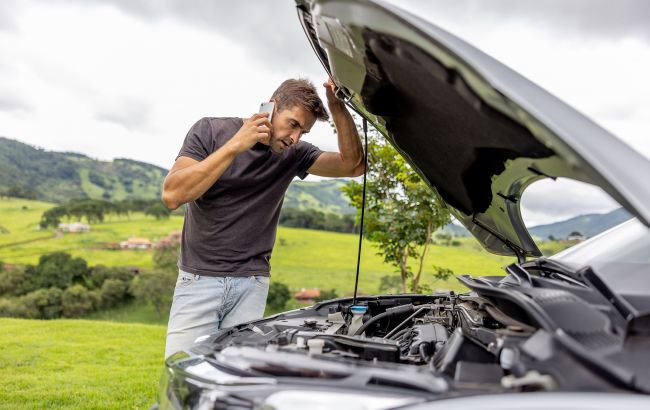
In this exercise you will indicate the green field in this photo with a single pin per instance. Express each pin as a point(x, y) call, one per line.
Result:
point(79, 364)
point(301, 258)
point(102, 363)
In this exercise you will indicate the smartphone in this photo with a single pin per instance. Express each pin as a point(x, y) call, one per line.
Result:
point(267, 107)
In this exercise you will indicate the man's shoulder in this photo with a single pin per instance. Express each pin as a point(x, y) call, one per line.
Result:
point(223, 121)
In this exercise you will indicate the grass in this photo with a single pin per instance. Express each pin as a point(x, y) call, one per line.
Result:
point(301, 258)
point(79, 364)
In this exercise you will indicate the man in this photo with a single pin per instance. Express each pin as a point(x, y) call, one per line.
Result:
point(233, 174)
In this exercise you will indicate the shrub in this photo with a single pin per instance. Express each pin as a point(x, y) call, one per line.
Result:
point(14, 282)
point(327, 295)
point(12, 307)
point(155, 288)
point(58, 269)
point(165, 253)
point(43, 303)
point(113, 292)
point(442, 274)
point(100, 273)
point(278, 296)
point(76, 301)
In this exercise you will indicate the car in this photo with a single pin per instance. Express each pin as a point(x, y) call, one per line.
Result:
point(567, 331)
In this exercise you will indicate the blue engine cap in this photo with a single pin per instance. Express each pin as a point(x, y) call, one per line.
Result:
point(358, 309)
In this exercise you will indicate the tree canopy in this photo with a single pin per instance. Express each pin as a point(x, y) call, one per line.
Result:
point(401, 210)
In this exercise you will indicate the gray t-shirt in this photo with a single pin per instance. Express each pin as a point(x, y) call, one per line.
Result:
point(230, 230)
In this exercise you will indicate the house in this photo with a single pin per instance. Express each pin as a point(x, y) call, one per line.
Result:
point(136, 243)
point(307, 296)
point(74, 227)
point(576, 236)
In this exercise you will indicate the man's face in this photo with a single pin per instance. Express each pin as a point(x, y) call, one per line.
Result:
point(288, 126)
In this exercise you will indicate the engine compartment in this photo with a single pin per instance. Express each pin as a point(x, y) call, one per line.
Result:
point(464, 338)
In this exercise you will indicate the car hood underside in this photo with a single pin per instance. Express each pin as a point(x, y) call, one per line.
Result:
point(477, 132)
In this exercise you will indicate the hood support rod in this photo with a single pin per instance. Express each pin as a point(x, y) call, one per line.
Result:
point(363, 207)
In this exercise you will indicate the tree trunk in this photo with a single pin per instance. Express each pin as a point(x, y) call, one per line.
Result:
point(404, 267)
point(416, 280)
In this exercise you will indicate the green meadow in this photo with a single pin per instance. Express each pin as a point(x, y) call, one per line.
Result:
point(79, 364)
point(113, 358)
point(301, 258)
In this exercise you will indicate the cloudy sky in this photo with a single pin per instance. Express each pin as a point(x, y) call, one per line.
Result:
point(127, 78)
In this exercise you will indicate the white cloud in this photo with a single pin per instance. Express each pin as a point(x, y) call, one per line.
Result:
point(127, 79)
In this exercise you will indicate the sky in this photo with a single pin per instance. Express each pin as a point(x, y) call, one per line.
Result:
point(123, 78)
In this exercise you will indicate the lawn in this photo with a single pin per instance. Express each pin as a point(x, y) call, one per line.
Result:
point(301, 258)
point(79, 364)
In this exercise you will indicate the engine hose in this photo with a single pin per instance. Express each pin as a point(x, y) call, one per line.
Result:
point(398, 327)
point(397, 310)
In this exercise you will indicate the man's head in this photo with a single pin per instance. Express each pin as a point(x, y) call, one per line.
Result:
point(297, 107)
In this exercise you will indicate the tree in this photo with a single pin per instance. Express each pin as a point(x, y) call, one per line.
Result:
point(58, 269)
point(165, 252)
point(158, 211)
point(401, 211)
point(113, 292)
point(278, 296)
point(42, 303)
point(77, 301)
point(326, 294)
point(14, 281)
point(156, 288)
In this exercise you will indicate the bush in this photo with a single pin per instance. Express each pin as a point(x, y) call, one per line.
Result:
point(59, 270)
point(390, 284)
point(278, 296)
point(165, 253)
point(12, 308)
point(442, 274)
point(326, 295)
point(113, 292)
point(43, 303)
point(155, 288)
point(100, 273)
point(76, 301)
point(14, 282)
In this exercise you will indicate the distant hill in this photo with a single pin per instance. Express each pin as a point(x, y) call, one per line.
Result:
point(59, 176)
point(324, 196)
point(34, 173)
point(588, 225)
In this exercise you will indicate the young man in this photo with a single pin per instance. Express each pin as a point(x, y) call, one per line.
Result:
point(233, 174)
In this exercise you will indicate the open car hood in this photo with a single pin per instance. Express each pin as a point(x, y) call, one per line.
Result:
point(476, 131)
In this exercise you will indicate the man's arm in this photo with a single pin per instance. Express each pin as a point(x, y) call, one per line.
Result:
point(348, 162)
point(189, 179)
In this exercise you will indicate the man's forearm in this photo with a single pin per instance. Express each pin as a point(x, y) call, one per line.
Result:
point(189, 183)
point(350, 146)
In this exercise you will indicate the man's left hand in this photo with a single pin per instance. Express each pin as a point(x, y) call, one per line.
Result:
point(330, 89)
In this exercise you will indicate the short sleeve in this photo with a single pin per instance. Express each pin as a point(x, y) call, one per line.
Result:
point(306, 155)
point(198, 143)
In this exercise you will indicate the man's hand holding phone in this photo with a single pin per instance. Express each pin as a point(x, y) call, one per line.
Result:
point(255, 129)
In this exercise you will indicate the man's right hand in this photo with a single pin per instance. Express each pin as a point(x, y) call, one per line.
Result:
point(255, 129)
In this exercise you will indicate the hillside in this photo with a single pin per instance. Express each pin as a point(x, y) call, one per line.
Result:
point(301, 258)
point(59, 176)
point(325, 196)
point(588, 225)
point(50, 176)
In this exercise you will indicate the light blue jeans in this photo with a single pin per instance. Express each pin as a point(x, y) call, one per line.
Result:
point(205, 304)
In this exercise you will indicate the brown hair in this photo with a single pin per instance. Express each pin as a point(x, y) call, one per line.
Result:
point(300, 92)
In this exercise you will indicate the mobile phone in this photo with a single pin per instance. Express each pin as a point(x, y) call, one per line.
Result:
point(267, 107)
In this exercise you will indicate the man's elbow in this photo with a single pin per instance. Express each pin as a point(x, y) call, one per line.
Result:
point(170, 201)
point(358, 170)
